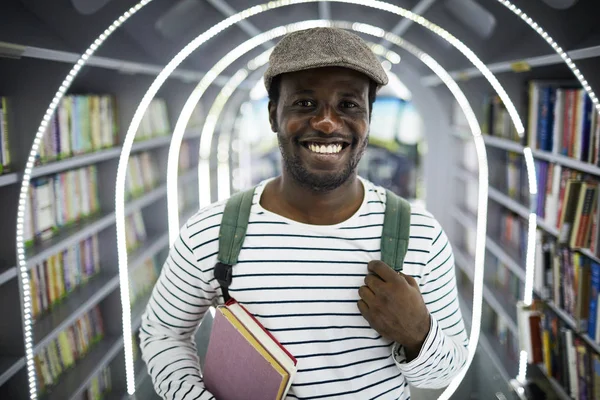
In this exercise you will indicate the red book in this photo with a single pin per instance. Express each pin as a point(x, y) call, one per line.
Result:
point(243, 360)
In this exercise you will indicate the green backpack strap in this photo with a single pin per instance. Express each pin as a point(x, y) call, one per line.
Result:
point(396, 231)
point(231, 236)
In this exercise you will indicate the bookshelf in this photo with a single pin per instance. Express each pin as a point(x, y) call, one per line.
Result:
point(101, 289)
point(508, 203)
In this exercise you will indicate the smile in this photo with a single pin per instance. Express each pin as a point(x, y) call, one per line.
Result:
point(332, 148)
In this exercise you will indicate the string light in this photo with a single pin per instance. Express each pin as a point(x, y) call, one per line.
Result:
point(23, 198)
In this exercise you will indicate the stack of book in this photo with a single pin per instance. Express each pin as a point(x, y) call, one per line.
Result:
point(243, 360)
point(59, 200)
point(562, 120)
point(155, 121)
point(5, 158)
point(135, 231)
point(81, 124)
point(71, 345)
point(99, 386)
point(142, 175)
point(56, 277)
point(142, 279)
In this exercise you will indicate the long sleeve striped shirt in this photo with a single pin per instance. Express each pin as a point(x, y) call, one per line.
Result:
point(301, 282)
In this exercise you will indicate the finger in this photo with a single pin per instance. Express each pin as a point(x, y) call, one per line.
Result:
point(364, 309)
point(411, 281)
point(381, 269)
point(374, 283)
point(366, 294)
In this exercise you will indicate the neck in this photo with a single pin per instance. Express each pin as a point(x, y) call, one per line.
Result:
point(293, 200)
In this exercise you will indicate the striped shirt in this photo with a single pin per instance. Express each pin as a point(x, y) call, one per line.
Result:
point(301, 282)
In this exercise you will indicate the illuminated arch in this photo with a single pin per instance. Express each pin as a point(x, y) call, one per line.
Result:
point(22, 264)
point(232, 84)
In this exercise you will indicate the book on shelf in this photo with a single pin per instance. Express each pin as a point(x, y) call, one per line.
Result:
point(561, 120)
point(135, 231)
point(68, 348)
point(496, 120)
point(59, 200)
point(243, 360)
point(550, 342)
point(81, 124)
point(100, 385)
point(142, 175)
point(142, 279)
point(155, 121)
point(5, 157)
point(54, 278)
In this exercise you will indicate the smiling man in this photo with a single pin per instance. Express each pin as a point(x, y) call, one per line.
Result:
point(310, 267)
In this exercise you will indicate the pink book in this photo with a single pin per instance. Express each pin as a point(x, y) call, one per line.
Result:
point(243, 361)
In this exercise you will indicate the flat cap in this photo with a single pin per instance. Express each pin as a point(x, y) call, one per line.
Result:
point(323, 47)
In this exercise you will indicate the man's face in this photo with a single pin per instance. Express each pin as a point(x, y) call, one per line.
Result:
point(322, 124)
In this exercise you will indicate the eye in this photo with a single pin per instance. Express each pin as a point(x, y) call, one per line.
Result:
point(305, 103)
point(349, 104)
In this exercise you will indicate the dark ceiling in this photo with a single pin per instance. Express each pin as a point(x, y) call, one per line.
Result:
point(163, 27)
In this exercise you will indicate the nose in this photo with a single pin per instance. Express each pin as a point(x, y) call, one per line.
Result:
point(326, 121)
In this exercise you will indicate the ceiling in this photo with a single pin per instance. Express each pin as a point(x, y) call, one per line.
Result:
point(163, 27)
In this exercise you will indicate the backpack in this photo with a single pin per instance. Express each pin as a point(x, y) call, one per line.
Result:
point(394, 238)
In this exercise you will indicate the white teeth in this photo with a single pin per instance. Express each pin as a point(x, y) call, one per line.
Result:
point(329, 149)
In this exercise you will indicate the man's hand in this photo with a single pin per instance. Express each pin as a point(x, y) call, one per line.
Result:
point(392, 304)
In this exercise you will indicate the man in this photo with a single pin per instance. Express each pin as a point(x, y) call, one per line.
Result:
point(308, 269)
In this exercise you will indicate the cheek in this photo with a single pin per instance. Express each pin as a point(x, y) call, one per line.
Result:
point(293, 125)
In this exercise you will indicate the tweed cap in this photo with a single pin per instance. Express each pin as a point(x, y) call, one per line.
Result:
point(324, 47)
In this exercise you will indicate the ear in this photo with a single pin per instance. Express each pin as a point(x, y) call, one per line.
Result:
point(273, 116)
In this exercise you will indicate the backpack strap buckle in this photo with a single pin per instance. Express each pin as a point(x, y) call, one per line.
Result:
point(223, 274)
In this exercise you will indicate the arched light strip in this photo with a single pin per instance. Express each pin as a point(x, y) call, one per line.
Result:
point(534, 25)
point(188, 107)
point(192, 101)
point(205, 144)
point(479, 146)
point(24, 285)
point(529, 272)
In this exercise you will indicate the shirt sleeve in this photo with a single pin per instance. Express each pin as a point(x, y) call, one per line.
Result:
point(179, 300)
point(445, 351)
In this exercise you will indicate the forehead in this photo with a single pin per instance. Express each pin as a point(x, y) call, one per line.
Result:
point(329, 78)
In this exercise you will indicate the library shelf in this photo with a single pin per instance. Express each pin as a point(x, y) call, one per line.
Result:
point(484, 342)
point(188, 176)
point(509, 203)
point(67, 237)
point(585, 252)
point(10, 366)
point(572, 324)
point(9, 179)
point(79, 231)
point(465, 175)
point(558, 388)
point(509, 145)
point(74, 162)
point(74, 382)
point(466, 218)
point(507, 66)
point(502, 143)
point(75, 305)
point(122, 66)
point(507, 259)
point(6, 274)
point(490, 244)
point(150, 247)
point(139, 307)
point(466, 264)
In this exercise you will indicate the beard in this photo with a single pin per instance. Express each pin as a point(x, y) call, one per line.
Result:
point(323, 181)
